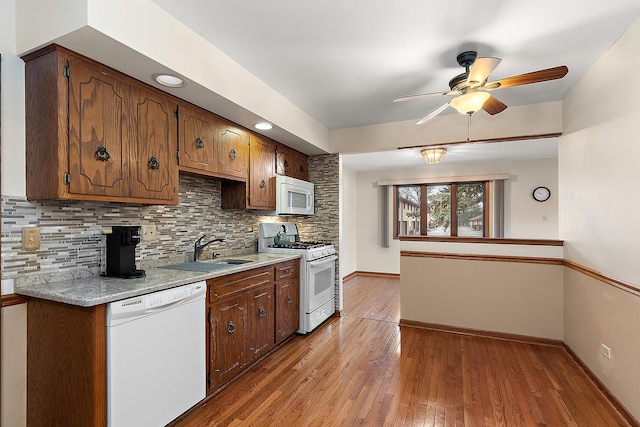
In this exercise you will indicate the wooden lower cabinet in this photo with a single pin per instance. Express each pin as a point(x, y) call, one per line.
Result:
point(288, 308)
point(250, 313)
point(227, 340)
point(66, 364)
point(260, 322)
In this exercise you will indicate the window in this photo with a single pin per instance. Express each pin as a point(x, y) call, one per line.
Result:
point(442, 209)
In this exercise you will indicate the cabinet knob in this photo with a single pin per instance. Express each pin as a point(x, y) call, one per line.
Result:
point(286, 164)
point(263, 184)
point(233, 154)
point(153, 163)
point(289, 300)
point(301, 168)
point(102, 154)
point(199, 143)
point(231, 328)
point(262, 312)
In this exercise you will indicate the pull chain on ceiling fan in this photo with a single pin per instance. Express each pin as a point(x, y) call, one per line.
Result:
point(472, 86)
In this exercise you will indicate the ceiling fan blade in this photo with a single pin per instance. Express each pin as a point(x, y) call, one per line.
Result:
point(432, 114)
point(493, 106)
point(424, 95)
point(528, 78)
point(481, 69)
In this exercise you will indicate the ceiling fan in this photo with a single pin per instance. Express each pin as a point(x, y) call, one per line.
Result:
point(472, 86)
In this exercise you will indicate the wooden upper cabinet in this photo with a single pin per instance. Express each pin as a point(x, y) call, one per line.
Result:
point(95, 134)
point(292, 163)
point(233, 150)
point(99, 123)
point(197, 139)
point(262, 191)
point(153, 164)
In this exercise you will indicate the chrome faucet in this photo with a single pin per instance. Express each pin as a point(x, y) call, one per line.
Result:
point(199, 246)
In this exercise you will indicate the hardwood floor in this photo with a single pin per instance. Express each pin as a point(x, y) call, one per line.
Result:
point(355, 370)
point(376, 298)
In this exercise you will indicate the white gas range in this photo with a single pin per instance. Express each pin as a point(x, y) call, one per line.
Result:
point(317, 271)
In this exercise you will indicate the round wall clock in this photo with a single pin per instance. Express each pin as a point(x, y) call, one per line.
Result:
point(541, 194)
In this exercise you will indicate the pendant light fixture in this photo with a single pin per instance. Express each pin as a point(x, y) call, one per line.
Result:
point(433, 155)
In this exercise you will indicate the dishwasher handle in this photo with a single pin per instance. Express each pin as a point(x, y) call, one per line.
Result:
point(144, 305)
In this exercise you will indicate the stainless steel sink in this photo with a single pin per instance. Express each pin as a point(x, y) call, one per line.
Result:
point(207, 267)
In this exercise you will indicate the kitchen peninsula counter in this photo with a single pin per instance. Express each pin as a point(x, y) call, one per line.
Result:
point(96, 290)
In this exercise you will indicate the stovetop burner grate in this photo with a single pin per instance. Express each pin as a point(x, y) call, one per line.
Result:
point(301, 245)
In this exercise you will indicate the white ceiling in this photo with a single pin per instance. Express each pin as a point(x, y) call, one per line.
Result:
point(343, 62)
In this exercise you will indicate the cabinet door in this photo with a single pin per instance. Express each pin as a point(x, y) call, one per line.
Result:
point(287, 307)
point(226, 340)
point(197, 139)
point(99, 122)
point(233, 150)
point(154, 170)
point(284, 162)
point(261, 323)
point(262, 194)
point(292, 163)
point(300, 166)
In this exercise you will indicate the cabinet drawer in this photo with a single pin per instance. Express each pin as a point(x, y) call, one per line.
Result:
point(288, 269)
point(221, 287)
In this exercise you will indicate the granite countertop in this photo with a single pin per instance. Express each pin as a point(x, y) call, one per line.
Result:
point(96, 290)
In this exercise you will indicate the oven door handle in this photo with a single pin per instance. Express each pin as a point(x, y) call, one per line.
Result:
point(322, 260)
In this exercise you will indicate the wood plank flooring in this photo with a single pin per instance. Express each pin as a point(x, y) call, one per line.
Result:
point(359, 371)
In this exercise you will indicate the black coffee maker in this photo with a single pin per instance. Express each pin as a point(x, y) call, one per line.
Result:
point(121, 252)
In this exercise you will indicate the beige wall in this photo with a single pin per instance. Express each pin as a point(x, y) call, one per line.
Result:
point(509, 297)
point(596, 313)
point(523, 216)
point(348, 221)
point(14, 366)
point(599, 209)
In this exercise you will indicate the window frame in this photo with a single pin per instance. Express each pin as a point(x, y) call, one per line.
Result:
point(453, 209)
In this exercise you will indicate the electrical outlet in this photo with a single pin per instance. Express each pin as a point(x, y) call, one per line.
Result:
point(30, 238)
point(148, 232)
point(606, 351)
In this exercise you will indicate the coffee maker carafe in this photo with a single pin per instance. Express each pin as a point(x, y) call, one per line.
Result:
point(121, 252)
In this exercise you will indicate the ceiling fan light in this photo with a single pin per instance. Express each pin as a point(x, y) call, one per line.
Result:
point(433, 155)
point(469, 103)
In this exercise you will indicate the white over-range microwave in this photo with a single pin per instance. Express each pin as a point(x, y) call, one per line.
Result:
point(293, 196)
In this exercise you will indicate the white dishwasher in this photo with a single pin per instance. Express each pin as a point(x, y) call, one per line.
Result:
point(156, 356)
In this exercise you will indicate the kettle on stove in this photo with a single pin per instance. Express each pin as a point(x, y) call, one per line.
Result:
point(282, 238)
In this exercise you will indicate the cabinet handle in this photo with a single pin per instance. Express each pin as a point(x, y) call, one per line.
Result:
point(263, 184)
point(199, 143)
point(262, 312)
point(301, 168)
point(286, 164)
point(231, 328)
point(102, 154)
point(233, 154)
point(153, 163)
point(289, 300)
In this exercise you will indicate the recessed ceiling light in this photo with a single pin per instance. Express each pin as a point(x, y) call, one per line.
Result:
point(169, 80)
point(263, 126)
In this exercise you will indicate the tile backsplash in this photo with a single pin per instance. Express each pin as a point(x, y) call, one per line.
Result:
point(72, 243)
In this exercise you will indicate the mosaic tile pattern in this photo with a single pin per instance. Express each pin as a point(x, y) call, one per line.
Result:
point(324, 171)
point(72, 243)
